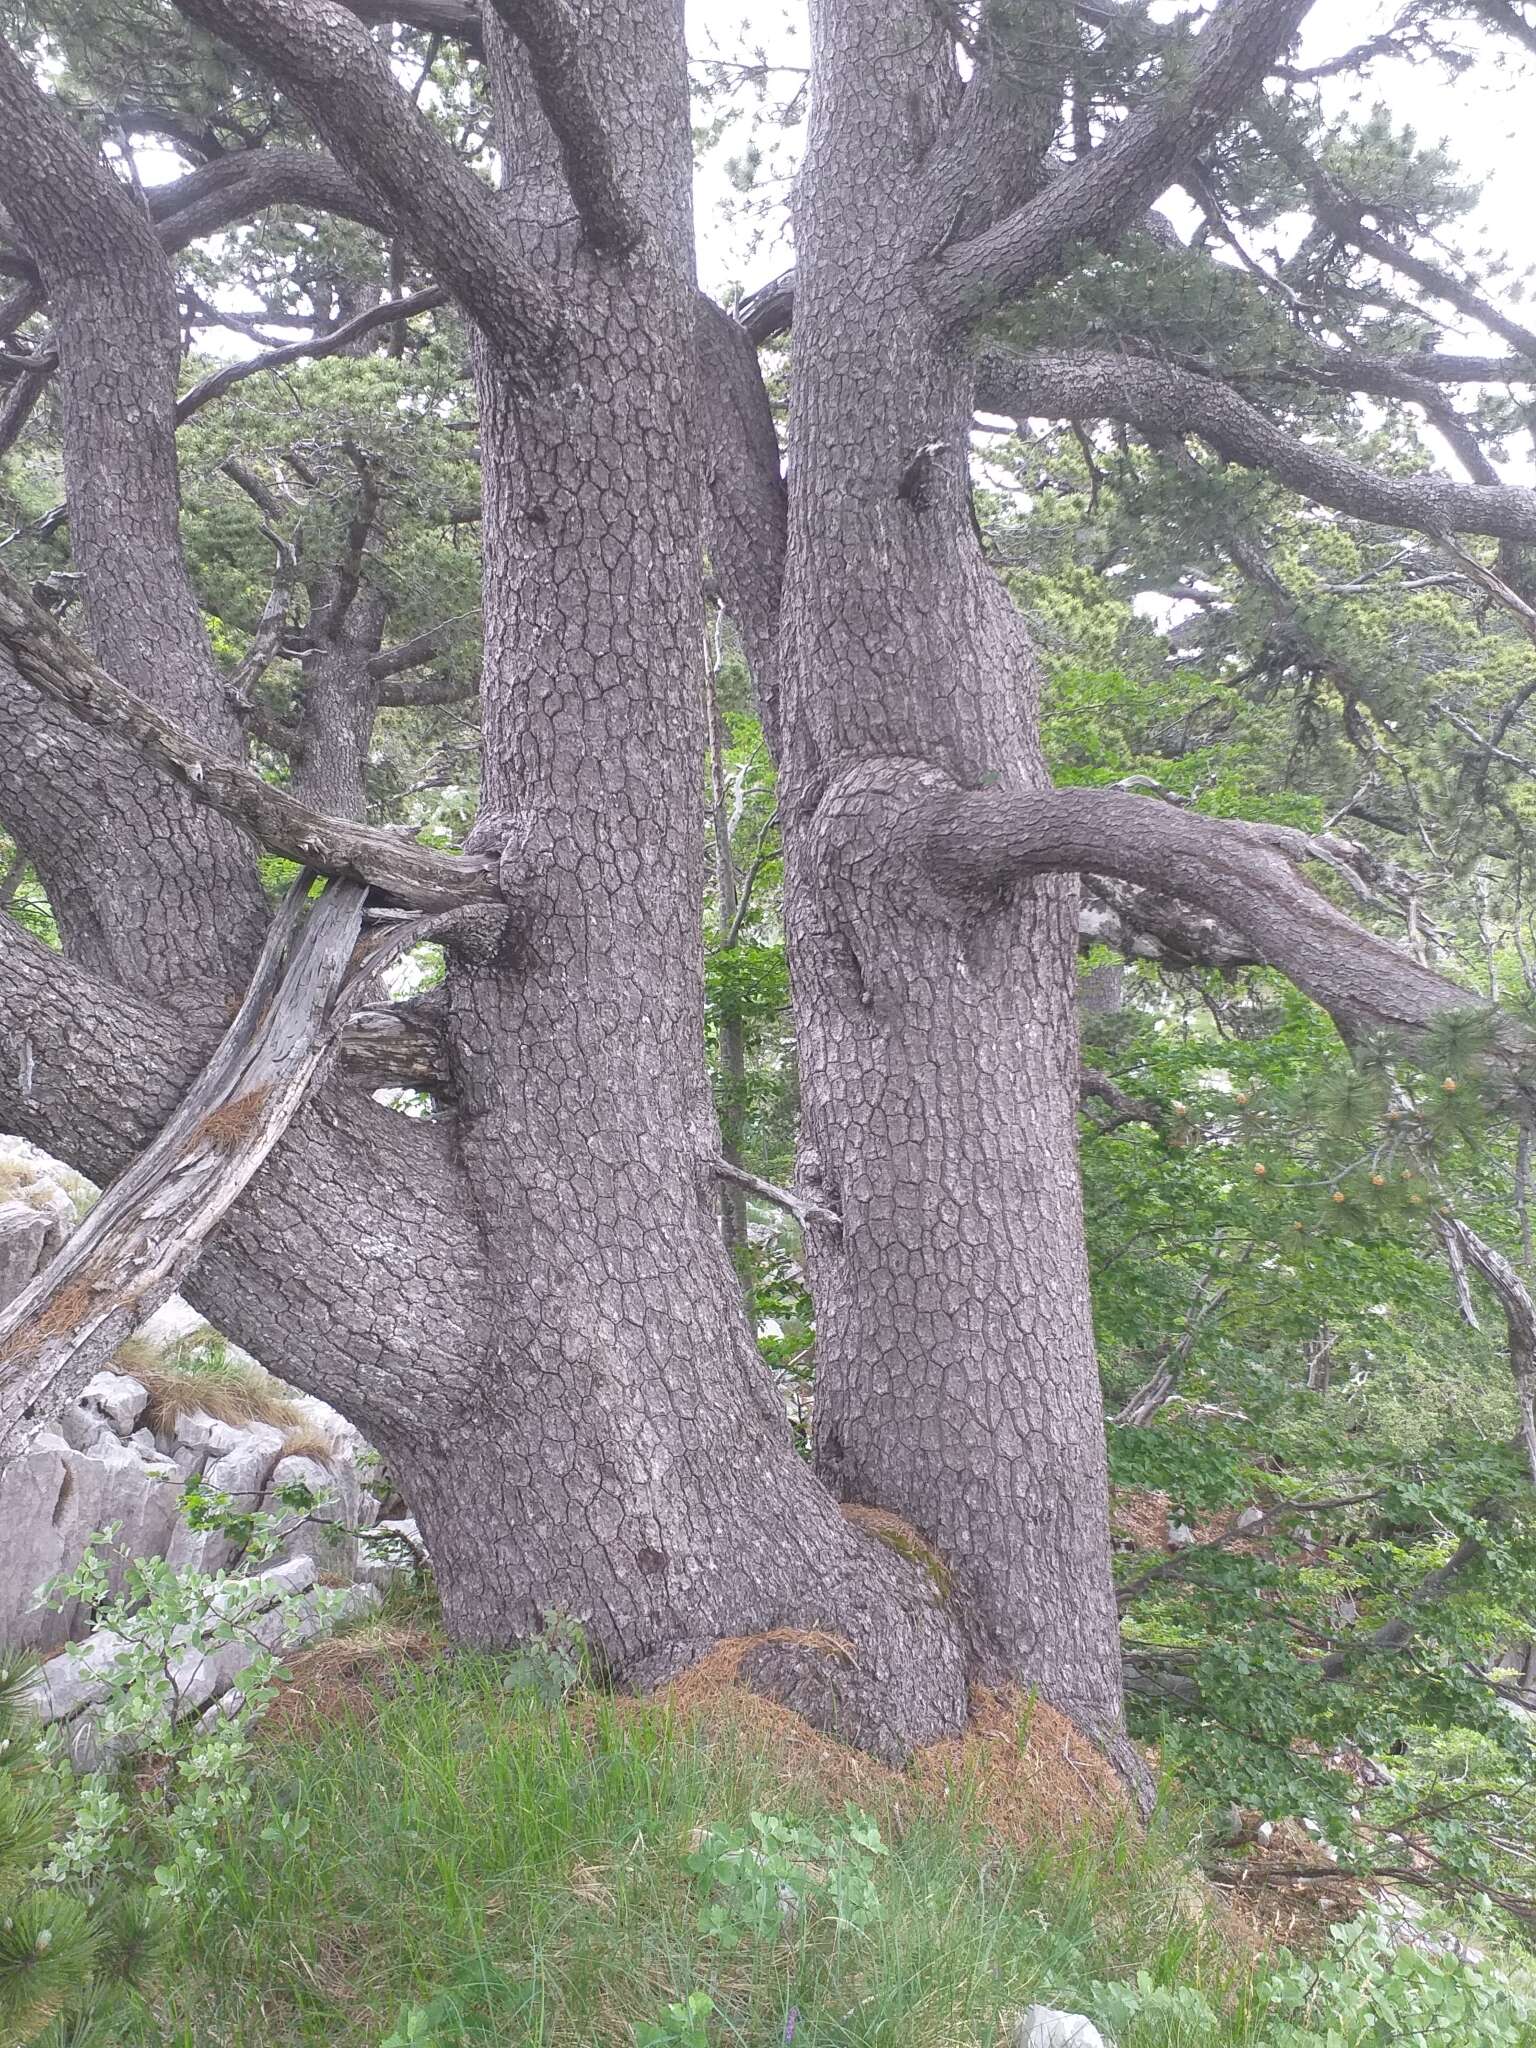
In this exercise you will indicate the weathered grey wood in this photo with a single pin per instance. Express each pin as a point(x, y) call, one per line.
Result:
point(137, 1244)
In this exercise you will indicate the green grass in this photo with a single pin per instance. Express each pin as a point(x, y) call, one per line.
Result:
point(524, 1867)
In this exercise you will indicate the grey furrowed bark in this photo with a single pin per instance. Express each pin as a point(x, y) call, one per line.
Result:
point(957, 1384)
point(623, 1455)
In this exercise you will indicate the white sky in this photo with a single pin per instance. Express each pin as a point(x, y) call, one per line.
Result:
point(1477, 116)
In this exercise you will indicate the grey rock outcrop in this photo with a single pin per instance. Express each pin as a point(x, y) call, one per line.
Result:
point(23, 1233)
point(278, 1609)
point(53, 1499)
point(325, 1531)
point(101, 1467)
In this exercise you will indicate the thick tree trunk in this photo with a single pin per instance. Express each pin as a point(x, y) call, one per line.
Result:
point(957, 1382)
point(622, 1454)
point(158, 895)
point(529, 1308)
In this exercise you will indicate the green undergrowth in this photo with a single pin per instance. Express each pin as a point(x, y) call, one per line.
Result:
point(444, 1860)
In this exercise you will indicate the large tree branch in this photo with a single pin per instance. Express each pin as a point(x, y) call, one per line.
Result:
point(458, 19)
point(114, 303)
point(559, 56)
point(1159, 398)
point(114, 306)
point(217, 195)
point(46, 657)
point(1104, 193)
point(327, 61)
point(1246, 876)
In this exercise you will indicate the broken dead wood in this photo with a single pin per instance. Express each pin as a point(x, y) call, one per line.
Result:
point(144, 1235)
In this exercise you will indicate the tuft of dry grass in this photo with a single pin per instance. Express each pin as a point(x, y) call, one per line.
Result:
point(199, 1373)
point(308, 1440)
point(1023, 1771)
point(346, 1677)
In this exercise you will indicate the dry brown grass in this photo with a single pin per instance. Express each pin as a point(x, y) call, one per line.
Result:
point(196, 1374)
point(343, 1677)
point(1023, 1770)
point(20, 1181)
point(308, 1440)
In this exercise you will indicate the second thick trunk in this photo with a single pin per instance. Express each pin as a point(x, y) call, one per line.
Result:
point(956, 1377)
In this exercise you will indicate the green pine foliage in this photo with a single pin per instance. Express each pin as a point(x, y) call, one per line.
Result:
point(70, 1964)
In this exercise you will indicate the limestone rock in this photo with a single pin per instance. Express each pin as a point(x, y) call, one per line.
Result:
point(241, 1472)
point(53, 1498)
point(83, 1428)
point(390, 1550)
point(198, 1431)
point(326, 1530)
point(279, 1608)
point(1044, 2026)
point(23, 1234)
point(119, 1399)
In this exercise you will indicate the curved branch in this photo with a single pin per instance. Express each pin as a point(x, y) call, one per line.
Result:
point(1159, 398)
point(231, 189)
point(341, 337)
point(422, 647)
point(1102, 195)
point(332, 68)
point(1246, 876)
point(55, 665)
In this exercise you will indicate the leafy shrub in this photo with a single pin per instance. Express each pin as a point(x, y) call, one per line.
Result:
point(774, 1873)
